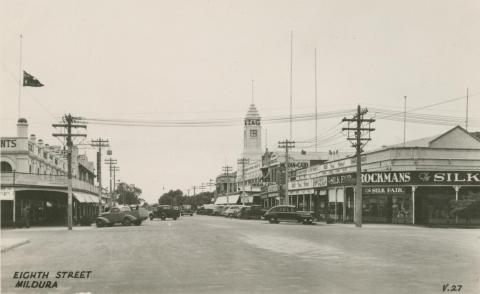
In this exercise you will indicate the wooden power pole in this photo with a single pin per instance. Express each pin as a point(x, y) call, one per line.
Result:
point(358, 142)
point(99, 143)
point(69, 124)
point(110, 161)
point(286, 145)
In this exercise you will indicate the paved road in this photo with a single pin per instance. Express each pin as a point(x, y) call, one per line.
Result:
point(203, 254)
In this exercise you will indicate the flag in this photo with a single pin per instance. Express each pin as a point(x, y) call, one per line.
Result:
point(30, 81)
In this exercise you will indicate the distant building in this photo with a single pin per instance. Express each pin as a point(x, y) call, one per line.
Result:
point(273, 172)
point(252, 135)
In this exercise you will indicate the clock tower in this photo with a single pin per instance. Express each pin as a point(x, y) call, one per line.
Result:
point(252, 135)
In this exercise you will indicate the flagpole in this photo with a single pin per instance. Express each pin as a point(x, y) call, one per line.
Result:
point(20, 78)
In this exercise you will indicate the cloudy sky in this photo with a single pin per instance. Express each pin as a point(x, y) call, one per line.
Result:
point(194, 60)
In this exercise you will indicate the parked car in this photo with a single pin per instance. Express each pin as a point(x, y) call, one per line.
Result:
point(206, 209)
point(165, 211)
point(120, 214)
point(186, 209)
point(217, 209)
point(142, 212)
point(251, 212)
point(232, 210)
point(288, 213)
point(223, 211)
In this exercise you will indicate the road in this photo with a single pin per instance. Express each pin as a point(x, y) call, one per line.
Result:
point(204, 254)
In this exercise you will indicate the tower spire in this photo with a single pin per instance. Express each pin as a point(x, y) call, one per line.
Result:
point(253, 101)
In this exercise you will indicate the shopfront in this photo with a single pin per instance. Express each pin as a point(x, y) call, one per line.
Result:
point(387, 205)
point(408, 197)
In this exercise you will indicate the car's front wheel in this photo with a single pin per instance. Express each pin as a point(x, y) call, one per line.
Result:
point(99, 223)
point(151, 217)
point(126, 222)
point(273, 220)
point(163, 217)
point(174, 218)
point(138, 222)
point(307, 221)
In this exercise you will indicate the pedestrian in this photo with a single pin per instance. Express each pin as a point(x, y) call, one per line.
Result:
point(26, 216)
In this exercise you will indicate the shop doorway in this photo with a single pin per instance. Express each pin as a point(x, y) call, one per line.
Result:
point(433, 205)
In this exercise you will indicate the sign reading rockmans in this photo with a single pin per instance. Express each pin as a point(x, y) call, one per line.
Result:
point(386, 177)
point(408, 178)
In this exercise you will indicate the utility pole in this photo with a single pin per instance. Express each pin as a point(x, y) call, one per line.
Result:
point(286, 145)
point(116, 168)
point(194, 190)
point(243, 161)
point(68, 124)
point(110, 161)
point(404, 119)
point(316, 104)
point(99, 143)
point(210, 183)
point(227, 169)
point(466, 116)
point(357, 143)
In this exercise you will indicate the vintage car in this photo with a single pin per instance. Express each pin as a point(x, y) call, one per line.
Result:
point(121, 214)
point(165, 211)
point(186, 209)
point(251, 212)
point(232, 210)
point(288, 213)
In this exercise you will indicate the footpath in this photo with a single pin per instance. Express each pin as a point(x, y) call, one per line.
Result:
point(11, 239)
point(11, 243)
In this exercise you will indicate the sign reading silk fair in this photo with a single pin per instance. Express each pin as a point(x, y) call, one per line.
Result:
point(409, 178)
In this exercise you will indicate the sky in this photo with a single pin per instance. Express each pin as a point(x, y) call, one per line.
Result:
point(183, 60)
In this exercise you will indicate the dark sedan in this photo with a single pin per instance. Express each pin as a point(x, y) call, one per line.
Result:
point(288, 213)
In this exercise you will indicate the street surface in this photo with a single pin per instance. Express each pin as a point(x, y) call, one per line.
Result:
point(205, 254)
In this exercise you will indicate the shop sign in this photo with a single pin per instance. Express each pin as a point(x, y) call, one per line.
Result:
point(409, 178)
point(455, 177)
point(386, 177)
point(272, 188)
point(320, 182)
point(297, 165)
point(384, 190)
point(7, 194)
point(341, 180)
point(8, 143)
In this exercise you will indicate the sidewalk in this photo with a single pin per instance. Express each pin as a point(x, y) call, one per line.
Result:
point(11, 243)
point(48, 228)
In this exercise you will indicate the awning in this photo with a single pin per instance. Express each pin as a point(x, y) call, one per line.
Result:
point(81, 197)
point(85, 198)
point(231, 199)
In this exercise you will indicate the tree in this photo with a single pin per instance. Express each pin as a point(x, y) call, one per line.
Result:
point(178, 198)
point(171, 198)
point(128, 194)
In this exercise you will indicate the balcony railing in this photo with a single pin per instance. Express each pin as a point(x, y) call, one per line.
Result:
point(60, 181)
